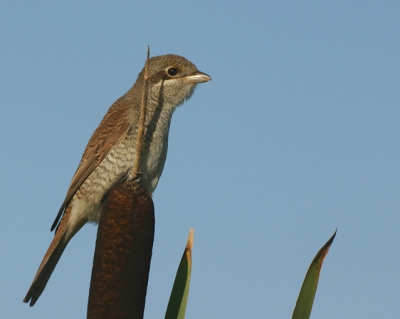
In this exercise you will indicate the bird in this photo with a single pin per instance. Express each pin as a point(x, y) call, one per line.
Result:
point(108, 158)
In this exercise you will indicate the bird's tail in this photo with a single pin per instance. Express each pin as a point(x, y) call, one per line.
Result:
point(63, 235)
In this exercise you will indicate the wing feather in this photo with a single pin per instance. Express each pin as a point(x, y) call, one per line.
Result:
point(111, 130)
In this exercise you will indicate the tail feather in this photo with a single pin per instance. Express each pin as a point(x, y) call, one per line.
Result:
point(45, 270)
point(64, 233)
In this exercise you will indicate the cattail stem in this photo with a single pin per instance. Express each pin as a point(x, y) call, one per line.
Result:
point(124, 244)
point(142, 120)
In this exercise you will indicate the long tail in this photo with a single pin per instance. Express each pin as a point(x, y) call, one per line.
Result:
point(64, 233)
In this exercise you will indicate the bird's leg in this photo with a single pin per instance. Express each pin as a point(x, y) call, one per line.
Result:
point(136, 178)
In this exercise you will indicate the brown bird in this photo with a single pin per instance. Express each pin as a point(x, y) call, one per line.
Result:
point(109, 155)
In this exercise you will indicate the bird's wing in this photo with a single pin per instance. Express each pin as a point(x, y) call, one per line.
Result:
point(110, 131)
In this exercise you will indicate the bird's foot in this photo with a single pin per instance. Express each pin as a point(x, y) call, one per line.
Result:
point(136, 178)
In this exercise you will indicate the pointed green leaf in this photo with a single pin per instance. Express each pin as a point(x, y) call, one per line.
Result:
point(305, 300)
point(180, 291)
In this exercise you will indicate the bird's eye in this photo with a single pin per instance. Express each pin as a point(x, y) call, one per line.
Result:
point(172, 71)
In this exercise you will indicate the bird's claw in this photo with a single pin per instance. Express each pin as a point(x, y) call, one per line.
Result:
point(135, 178)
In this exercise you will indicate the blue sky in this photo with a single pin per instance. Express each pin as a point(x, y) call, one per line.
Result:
point(297, 134)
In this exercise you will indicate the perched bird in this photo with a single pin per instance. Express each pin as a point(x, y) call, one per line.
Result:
point(109, 155)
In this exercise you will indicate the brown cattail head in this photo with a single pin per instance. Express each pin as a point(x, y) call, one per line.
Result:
point(122, 256)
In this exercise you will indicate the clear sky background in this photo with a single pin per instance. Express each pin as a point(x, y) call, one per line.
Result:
point(297, 134)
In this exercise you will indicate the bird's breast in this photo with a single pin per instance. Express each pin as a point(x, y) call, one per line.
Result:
point(118, 163)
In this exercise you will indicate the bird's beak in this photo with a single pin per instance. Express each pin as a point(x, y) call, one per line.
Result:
point(198, 77)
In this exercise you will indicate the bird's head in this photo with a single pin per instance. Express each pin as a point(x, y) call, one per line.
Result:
point(172, 79)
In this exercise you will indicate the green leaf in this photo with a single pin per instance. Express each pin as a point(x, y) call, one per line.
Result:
point(305, 300)
point(177, 301)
